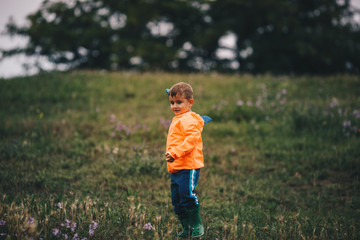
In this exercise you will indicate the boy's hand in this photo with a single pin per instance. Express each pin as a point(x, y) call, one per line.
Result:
point(169, 158)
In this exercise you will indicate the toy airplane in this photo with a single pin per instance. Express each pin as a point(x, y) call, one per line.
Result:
point(205, 118)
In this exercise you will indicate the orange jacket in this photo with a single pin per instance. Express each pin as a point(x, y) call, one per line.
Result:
point(184, 142)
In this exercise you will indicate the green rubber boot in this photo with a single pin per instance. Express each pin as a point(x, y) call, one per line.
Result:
point(197, 229)
point(184, 220)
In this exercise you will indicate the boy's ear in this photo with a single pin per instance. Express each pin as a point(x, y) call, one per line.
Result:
point(191, 100)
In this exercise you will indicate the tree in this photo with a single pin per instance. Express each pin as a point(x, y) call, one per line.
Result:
point(297, 36)
point(278, 36)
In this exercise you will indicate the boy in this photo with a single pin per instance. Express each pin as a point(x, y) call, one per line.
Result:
point(185, 158)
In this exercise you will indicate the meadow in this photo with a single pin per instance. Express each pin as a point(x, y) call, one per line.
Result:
point(82, 156)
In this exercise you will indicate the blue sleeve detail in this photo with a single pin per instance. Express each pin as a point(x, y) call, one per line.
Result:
point(206, 119)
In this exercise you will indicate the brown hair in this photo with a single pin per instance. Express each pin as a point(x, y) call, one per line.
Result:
point(183, 89)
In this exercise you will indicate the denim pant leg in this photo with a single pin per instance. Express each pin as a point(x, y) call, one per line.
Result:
point(183, 185)
point(175, 195)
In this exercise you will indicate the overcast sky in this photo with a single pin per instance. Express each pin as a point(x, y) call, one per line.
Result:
point(19, 9)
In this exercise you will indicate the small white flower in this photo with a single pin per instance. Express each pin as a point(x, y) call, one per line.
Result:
point(116, 151)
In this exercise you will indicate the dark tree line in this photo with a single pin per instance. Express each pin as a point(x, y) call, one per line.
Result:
point(277, 36)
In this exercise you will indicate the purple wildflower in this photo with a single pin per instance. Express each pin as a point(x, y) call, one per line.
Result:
point(283, 101)
point(165, 123)
point(223, 102)
point(59, 205)
point(113, 134)
point(258, 101)
point(120, 126)
point(75, 237)
point(284, 92)
point(30, 221)
point(148, 226)
point(128, 130)
point(73, 227)
point(65, 236)
point(249, 103)
point(112, 118)
point(93, 225)
point(357, 114)
point(84, 238)
point(334, 103)
point(2, 222)
point(2, 234)
point(55, 231)
point(346, 124)
point(67, 223)
point(240, 102)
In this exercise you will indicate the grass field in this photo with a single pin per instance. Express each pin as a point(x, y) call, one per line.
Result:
point(82, 156)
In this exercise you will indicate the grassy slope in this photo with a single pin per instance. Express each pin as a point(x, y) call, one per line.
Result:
point(279, 162)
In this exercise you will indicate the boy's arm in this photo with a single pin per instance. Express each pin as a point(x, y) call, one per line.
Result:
point(192, 136)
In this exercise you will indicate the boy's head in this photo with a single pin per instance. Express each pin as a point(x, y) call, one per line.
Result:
point(182, 89)
point(181, 97)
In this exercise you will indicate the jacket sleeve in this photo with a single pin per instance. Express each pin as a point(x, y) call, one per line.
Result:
point(192, 134)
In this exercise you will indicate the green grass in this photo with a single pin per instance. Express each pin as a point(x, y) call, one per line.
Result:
point(282, 160)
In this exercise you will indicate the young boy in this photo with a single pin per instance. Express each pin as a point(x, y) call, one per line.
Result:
point(185, 158)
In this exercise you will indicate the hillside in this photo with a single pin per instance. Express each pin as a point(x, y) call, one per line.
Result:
point(83, 153)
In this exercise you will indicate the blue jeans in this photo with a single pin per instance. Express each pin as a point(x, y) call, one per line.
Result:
point(183, 185)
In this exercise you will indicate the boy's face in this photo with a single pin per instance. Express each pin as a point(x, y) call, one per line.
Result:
point(179, 104)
